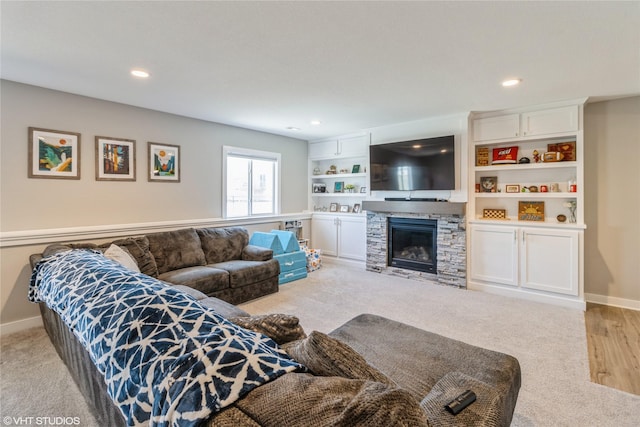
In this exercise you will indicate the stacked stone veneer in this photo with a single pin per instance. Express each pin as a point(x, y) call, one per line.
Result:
point(451, 254)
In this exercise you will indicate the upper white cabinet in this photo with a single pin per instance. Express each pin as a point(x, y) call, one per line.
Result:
point(341, 147)
point(527, 124)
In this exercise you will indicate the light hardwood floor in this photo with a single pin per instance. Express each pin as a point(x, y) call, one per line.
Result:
point(613, 340)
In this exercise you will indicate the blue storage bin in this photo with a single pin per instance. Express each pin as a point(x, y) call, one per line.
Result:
point(288, 240)
point(267, 240)
point(292, 261)
point(292, 275)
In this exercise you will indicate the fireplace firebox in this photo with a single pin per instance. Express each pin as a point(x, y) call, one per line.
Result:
point(412, 244)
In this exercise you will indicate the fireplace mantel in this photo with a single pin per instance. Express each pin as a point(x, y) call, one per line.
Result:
point(414, 206)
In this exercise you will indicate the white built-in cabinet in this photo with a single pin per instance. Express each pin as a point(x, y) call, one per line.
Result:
point(542, 259)
point(342, 236)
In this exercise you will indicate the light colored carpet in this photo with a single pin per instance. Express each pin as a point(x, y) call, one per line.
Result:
point(549, 342)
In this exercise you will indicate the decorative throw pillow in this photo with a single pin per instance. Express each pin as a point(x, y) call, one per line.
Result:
point(327, 356)
point(138, 247)
point(282, 328)
point(122, 257)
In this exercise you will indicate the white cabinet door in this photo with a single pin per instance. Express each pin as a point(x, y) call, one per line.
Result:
point(356, 146)
point(323, 149)
point(352, 238)
point(500, 127)
point(550, 260)
point(324, 234)
point(546, 122)
point(494, 254)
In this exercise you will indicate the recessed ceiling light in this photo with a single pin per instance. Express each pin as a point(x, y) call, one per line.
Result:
point(292, 128)
point(315, 122)
point(511, 82)
point(139, 73)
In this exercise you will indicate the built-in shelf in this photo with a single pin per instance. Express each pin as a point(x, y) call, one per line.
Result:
point(340, 175)
point(360, 195)
point(529, 195)
point(525, 166)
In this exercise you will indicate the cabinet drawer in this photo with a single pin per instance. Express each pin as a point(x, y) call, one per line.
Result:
point(292, 261)
point(292, 275)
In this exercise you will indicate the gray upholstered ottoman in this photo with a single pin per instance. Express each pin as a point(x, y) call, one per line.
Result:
point(435, 369)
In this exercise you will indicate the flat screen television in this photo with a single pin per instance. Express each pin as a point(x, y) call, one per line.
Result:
point(421, 164)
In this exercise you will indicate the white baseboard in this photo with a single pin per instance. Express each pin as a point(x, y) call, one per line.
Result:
point(20, 325)
point(562, 301)
point(613, 301)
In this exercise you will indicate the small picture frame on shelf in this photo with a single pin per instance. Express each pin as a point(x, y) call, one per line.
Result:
point(356, 208)
point(333, 207)
point(338, 187)
point(530, 211)
point(319, 187)
point(344, 208)
point(512, 188)
point(355, 169)
point(363, 189)
point(489, 184)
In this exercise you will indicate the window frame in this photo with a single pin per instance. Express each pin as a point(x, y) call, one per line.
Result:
point(251, 154)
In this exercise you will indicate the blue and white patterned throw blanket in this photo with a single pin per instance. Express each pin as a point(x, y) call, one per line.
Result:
point(166, 359)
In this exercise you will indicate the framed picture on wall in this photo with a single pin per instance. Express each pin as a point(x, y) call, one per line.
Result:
point(115, 159)
point(164, 162)
point(54, 154)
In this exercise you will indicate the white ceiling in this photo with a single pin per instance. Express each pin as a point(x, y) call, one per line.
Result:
point(352, 65)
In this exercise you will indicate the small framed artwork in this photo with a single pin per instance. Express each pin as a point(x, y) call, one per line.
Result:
point(338, 187)
point(363, 189)
point(356, 208)
point(164, 162)
point(54, 154)
point(115, 159)
point(494, 214)
point(344, 208)
point(355, 169)
point(530, 211)
point(512, 188)
point(489, 184)
point(333, 207)
point(319, 187)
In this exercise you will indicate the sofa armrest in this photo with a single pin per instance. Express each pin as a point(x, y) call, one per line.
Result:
point(256, 253)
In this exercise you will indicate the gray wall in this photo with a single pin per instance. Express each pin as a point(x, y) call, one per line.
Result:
point(612, 201)
point(46, 204)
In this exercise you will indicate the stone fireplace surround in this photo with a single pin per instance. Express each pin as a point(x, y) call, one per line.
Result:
point(452, 239)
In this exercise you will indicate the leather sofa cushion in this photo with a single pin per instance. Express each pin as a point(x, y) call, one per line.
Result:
point(203, 279)
point(222, 308)
point(223, 244)
point(242, 273)
point(176, 249)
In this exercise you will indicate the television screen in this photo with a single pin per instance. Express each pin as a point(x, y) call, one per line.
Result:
point(422, 164)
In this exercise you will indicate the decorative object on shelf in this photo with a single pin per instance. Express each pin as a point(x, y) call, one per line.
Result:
point(355, 169)
point(530, 211)
point(524, 160)
point(477, 188)
point(317, 171)
point(338, 187)
point(54, 154)
point(544, 189)
point(363, 189)
point(333, 207)
point(512, 188)
point(552, 156)
point(343, 171)
point(344, 208)
point(356, 208)
point(572, 205)
point(332, 170)
point(350, 188)
point(489, 184)
point(482, 156)
point(571, 185)
point(319, 187)
point(505, 155)
point(555, 187)
point(567, 149)
point(536, 156)
point(494, 214)
point(164, 162)
point(561, 218)
point(533, 188)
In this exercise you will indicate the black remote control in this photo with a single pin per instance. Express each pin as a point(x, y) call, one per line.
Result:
point(461, 402)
